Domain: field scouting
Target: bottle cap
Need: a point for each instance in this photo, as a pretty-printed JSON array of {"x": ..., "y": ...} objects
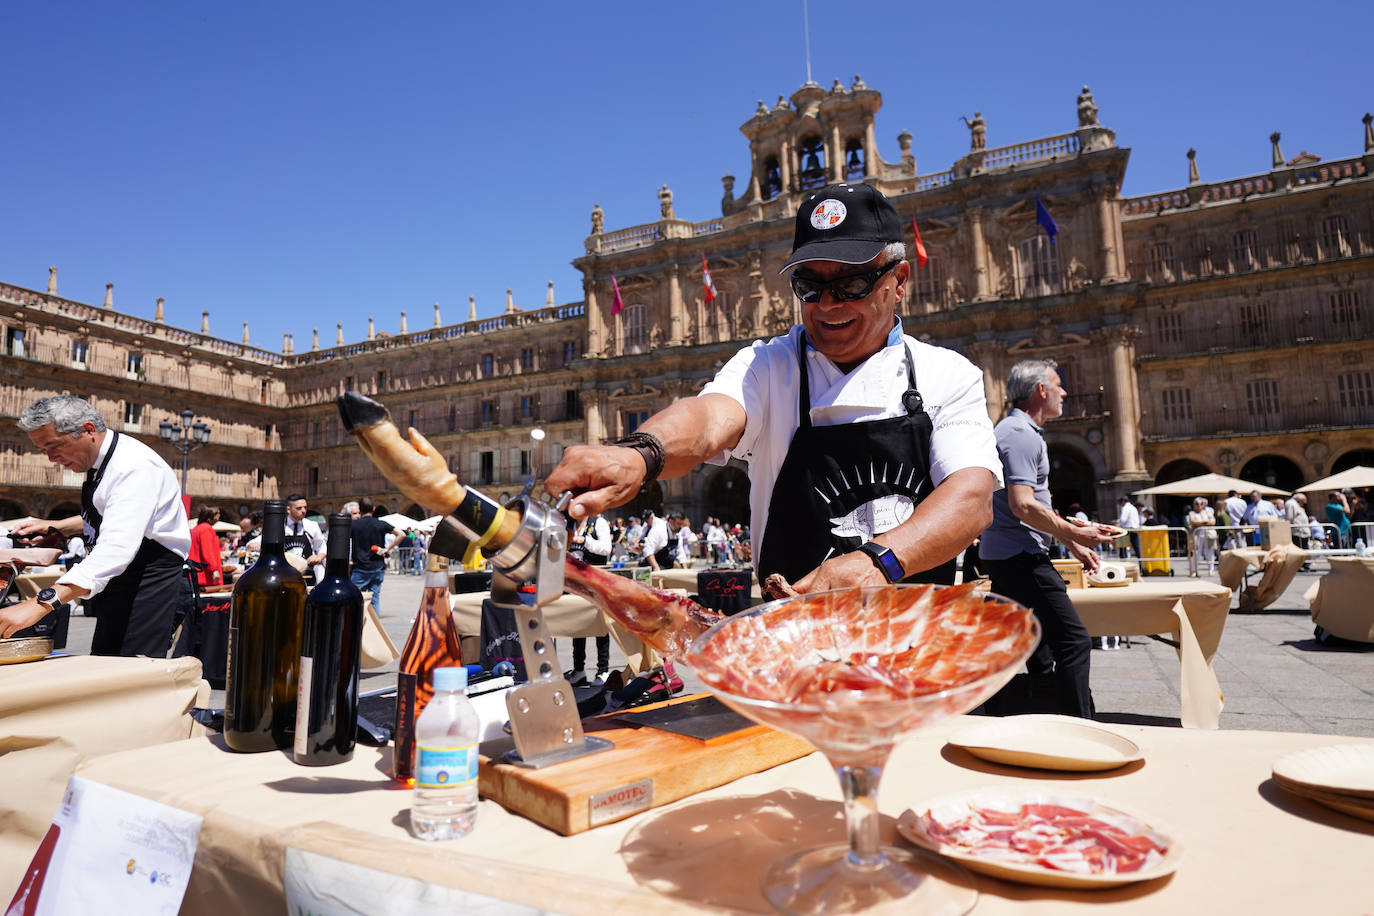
[{"x": 450, "y": 678}]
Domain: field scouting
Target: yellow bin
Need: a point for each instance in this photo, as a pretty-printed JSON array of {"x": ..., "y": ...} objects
[{"x": 1154, "y": 542}]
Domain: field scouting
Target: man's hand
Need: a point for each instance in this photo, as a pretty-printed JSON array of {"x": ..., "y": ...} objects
[
  {"x": 1087, "y": 534},
  {"x": 848, "y": 570},
  {"x": 28, "y": 527},
  {"x": 603, "y": 476},
  {"x": 18, "y": 616},
  {"x": 1084, "y": 555}
]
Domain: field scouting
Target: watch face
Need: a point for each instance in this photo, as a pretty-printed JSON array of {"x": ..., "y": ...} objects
[{"x": 47, "y": 596}]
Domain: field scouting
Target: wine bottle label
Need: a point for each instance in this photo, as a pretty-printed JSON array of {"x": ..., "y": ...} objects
[
  {"x": 232, "y": 686},
  {"x": 301, "y": 745},
  {"x": 445, "y": 767},
  {"x": 403, "y": 735}
]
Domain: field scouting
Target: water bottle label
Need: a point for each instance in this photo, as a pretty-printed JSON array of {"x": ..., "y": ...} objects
[{"x": 445, "y": 767}]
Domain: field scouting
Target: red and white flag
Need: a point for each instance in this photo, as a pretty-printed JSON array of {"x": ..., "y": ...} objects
[
  {"x": 920, "y": 246},
  {"x": 616, "y": 305},
  {"x": 707, "y": 286}
]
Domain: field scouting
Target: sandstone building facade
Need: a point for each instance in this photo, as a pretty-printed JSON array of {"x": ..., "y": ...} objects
[{"x": 1220, "y": 326}]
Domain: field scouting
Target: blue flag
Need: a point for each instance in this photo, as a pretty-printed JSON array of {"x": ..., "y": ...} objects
[{"x": 1042, "y": 216}]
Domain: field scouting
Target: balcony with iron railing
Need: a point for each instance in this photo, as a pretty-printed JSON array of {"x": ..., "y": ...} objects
[
  {"x": 1195, "y": 336},
  {"x": 1234, "y": 420}
]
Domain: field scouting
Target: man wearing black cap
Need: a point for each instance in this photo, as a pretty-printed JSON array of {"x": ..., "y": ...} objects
[{"x": 871, "y": 455}]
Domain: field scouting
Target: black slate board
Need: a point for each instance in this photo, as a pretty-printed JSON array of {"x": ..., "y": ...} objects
[{"x": 704, "y": 718}]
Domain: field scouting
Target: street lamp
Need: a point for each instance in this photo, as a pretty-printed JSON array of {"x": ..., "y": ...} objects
[{"x": 192, "y": 436}]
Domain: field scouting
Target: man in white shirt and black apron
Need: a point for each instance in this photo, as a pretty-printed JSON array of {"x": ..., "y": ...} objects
[
  {"x": 134, "y": 525},
  {"x": 871, "y": 455}
]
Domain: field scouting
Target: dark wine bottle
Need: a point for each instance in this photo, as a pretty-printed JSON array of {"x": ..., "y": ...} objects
[
  {"x": 264, "y": 645},
  {"x": 331, "y": 648},
  {"x": 433, "y": 643}
]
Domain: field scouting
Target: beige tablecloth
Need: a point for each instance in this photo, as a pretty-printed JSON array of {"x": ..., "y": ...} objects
[
  {"x": 1342, "y": 601},
  {"x": 1192, "y": 610},
  {"x": 1249, "y": 847},
  {"x": 57, "y": 712},
  {"x": 1277, "y": 565}
]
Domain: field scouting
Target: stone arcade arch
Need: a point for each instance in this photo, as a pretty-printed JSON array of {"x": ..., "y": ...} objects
[
  {"x": 1352, "y": 458},
  {"x": 1073, "y": 478},
  {"x": 727, "y": 495},
  {"x": 1273, "y": 470}
]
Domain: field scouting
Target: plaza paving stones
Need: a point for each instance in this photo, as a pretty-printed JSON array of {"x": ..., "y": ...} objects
[{"x": 1275, "y": 675}]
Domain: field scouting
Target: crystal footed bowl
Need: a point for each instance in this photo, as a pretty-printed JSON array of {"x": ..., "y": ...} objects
[{"x": 853, "y": 671}]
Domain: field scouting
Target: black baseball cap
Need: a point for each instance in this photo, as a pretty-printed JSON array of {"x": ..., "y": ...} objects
[{"x": 849, "y": 223}]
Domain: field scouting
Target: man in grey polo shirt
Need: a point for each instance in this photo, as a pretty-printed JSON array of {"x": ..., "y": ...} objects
[{"x": 1015, "y": 548}]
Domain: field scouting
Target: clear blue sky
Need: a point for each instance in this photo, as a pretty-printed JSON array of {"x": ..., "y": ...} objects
[{"x": 300, "y": 164}]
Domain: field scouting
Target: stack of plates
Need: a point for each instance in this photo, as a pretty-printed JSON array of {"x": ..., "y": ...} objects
[
  {"x": 1339, "y": 776},
  {"x": 28, "y": 649}
]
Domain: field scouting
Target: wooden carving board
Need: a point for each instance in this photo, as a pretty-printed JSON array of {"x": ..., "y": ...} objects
[{"x": 648, "y": 767}]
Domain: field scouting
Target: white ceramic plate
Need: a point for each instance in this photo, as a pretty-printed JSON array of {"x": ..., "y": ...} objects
[
  {"x": 1346, "y": 769},
  {"x": 1047, "y": 743},
  {"x": 909, "y": 825},
  {"x": 1103, "y": 583},
  {"x": 1362, "y": 808}
]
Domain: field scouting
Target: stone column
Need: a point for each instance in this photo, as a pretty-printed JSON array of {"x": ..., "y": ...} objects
[
  {"x": 1109, "y": 226},
  {"x": 834, "y": 155},
  {"x": 1123, "y": 399},
  {"x": 593, "y": 411},
  {"x": 785, "y": 168},
  {"x": 870, "y": 150},
  {"x": 986, "y": 355},
  {"x": 596, "y": 328},
  {"x": 677, "y": 316},
  {"x": 979, "y": 249}
]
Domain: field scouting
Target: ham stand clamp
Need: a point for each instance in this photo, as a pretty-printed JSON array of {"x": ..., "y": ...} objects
[{"x": 528, "y": 574}]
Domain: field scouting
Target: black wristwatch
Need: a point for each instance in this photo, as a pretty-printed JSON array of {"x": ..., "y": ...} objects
[
  {"x": 48, "y": 598},
  {"x": 885, "y": 560}
]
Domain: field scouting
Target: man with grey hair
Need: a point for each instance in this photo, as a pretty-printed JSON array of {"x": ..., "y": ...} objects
[
  {"x": 134, "y": 525},
  {"x": 871, "y": 456},
  {"x": 1015, "y": 548}
]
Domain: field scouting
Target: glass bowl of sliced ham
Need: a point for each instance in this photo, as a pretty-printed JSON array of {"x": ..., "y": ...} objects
[{"x": 854, "y": 671}]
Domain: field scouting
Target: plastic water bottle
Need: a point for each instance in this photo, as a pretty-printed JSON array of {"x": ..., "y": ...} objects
[
  {"x": 444, "y": 805},
  {"x": 1359, "y": 547}
]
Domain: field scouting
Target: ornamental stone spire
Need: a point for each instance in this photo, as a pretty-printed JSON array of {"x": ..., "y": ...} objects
[
  {"x": 437, "y": 322},
  {"x": 1193, "y": 177},
  {"x": 338, "y": 335},
  {"x": 1277, "y": 152},
  {"x": 314, "y": 338},
  {"x": 158, "y": 315},
  {"x": 403, "y": 322},
  {"x": 245, "y": 335},
  {"x": 205, "y": 322},
  {"x": 548, "y": 297},
  {"x": 510, "y": 302},
  {"x": 371, "y": 329},
  {"x": 1368, "y": 136},
  {"x": 109, "y": 296},
  {"x": 472, "y": 308},
  {"x": 52, "y": 281}
]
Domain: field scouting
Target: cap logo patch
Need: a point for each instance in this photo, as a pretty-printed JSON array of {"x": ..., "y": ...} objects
[{"x": 828, "y": 214}]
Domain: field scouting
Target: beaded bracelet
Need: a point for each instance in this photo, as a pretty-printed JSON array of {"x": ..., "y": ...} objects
[{"x": 650, "y": 448}]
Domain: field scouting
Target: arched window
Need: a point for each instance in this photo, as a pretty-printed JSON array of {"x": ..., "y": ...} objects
[
  {"x": 1162, "y": 265},
  {"x": 854, "y": 167},
  {"x": 635, "y": 325},
  {"x": 812, "y": 163},
  {"x": 772, "y": 178},
  {"x": 1038, "y": 263}
]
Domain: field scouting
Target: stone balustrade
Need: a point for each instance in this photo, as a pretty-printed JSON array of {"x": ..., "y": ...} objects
[
  {"x": 1031, "y": 151},
  {"x": 1240, "y": 188},
  {"x": 931, "y": 182},
  {"x": 109, "y": 318}
]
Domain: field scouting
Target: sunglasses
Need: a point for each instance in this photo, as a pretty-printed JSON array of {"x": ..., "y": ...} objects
[{"x": 842, "y": 289}]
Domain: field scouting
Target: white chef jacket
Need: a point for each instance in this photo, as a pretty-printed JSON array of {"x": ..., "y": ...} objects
[
  {"x": 656, "y": 538},
  {"x": 764, "y": 379},
  {"x": 138, "y": 497}
]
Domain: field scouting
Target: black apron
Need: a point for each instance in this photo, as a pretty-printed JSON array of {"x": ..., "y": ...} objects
[
  {"x": 300, "y": 543},
  {"x": 832, "y": 475},
  {"x": 135, "y": 612}
]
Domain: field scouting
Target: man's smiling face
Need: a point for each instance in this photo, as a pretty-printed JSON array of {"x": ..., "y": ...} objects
[{"x": 850, "y": 332}]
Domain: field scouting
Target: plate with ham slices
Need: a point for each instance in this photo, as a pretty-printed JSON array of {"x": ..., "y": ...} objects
[{"x": 1042, "y": 838}]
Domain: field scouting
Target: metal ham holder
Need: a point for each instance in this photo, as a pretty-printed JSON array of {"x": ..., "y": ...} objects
[{"x": 526, "y": 575}]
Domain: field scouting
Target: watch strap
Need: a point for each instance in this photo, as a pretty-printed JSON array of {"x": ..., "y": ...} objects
[
  {"x": 48, "y": 598},
  {"x": 885, "y": 560}
]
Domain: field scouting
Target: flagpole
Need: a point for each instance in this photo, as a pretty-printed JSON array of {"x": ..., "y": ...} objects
[{"x": 806, "y": 36}]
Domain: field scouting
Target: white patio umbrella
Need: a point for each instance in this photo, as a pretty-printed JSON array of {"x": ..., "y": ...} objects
[
  {"x": 1209, "y": 485},
  {"x": 1358, "y": 476},
  {"x": 402, "y": 522},
  {"x": 227, "y": 527}
]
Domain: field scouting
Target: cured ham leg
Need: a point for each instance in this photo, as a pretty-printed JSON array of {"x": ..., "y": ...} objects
[{"x": 666, "y": 622}]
